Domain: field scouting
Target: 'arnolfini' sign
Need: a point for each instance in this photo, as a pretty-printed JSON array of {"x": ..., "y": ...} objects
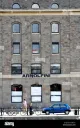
[{"x": 36, "y": 75}]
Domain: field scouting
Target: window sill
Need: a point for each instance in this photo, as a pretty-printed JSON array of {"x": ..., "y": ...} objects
[
  {"x": 35, "y": 53},
  {"x": 35, "y": 33},
  {"x": 55, "y": 54},
  {"x": 16, "y": 33},
  {"x": 55, "y": 33},
  {"x": 16, "y": 53}
]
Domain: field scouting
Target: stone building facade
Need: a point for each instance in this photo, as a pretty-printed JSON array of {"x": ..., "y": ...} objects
[{"x": 41, "y": 39}]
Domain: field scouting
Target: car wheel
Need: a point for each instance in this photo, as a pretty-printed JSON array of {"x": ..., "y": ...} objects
[
  {"x": 47, "y": 113},
  {"x": 67, "y": 112}
]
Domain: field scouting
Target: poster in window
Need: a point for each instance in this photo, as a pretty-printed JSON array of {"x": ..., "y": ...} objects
[
  {"x": 17, "y": 99},
  {"x": 55, "y": 92},
  {"x": 36, "y": 99},
  {"x": 16, "y": 93},
  {"x": 55, "y": 98},
  {"x": 35, "y": 90}
]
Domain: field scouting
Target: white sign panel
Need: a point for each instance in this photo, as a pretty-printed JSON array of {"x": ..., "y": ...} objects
[
  {"x": 55, "y": 98},
  {"x": 16, "y": 93},
  {"x": 36, "y": 99},
  {"x": 16, "y": 99},
  {"x": 55, "y": 92},
  {"x": 35, "y": 90}
]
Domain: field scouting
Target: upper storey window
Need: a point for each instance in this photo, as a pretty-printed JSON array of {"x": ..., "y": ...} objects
[
  {"x": 16, "y": 6},
  {"x": 55, "y": 28},
  {"x": 54, "y": 6},
  {"x": 35, "y": 6},
  {"x": 35, "y": 28},
  {"x": 16, "y": 28}
]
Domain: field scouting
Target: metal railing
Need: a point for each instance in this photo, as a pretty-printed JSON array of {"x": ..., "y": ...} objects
[
  {"x": 38, "y": 111},
  {"x": 15, "y": 111}
]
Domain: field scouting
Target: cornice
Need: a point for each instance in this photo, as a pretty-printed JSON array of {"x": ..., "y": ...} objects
[{"x": 11, "y": 12}]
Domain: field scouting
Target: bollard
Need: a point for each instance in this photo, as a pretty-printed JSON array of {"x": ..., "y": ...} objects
[{"x": 75, "y": 112}]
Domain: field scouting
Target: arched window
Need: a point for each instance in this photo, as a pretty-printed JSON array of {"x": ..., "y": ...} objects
[
  {"x": 36, "y": 92},
  {"x": 16, "y": 6},
  {"x": 55, "y": 6},
  {"x": 16, "y": 93},
  {"x": 16, "y": 28},
  {"x": 35, "y": 6},
  {"x": 35, "y": 28},
  {"x": 55, "y": 92},
  {"x": 55, "y": 27}
]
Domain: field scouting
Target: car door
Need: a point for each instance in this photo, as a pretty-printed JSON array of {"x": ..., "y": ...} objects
[
  {"x": 62, "y": 108},
  {"x": 56, "y": 108}
]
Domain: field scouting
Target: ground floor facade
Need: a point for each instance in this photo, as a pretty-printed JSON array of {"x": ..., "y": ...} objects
[{"x": 41, "y": 91}]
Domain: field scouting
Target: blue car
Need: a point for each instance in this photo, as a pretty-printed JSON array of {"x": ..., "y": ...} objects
[{"x": 57, "y": 108}]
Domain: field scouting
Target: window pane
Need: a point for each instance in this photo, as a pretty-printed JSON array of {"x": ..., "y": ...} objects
[
  {"x": 36, "y": 67},
  {"x": 54, "y": 6},
  {"x": 35, "y": 6},
  {"x": 16, "y": 28},
  {"x": 55, "y": 98},
  {"x": 55, "y": 48},
  {"x": 55, "y": 67},
  {"x": 62, "y": 105},
  {"x": 36, "y": 99},
  {"x": 16, "y": 69},
  {"x": 35, "y": 28},
  {"x": 35, "y": 90},
  {"x": 35, "y": 48},
  {"x": 54, "y": 27},
  {"x": 55, "y": 87},
  {"x": 16, "y": 6},
  {"x": 17, "y": 99},
  {"x": 55, "y": 92},
  {"x": 56, "y": 106},
  {"x": 16, "y": 87},
  {"x": 16, "y": 48},
  {"x": 36, "y": 71},
  {"x": 16, "y": 93},
  {"x": 55, "y": 71}
]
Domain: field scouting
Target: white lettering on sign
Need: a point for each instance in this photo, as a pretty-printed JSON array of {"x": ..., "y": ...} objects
[{"x": 9, "y": 124}]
